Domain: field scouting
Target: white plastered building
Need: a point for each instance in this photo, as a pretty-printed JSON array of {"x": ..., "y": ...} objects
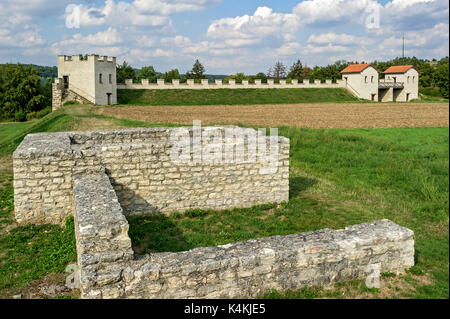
[
  {"x": 91, "y": 80},
  {"x": 400, "y": 84}
]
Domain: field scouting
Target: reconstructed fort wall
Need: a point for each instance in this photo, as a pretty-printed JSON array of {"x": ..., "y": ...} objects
[
  {"x": 219, "y": 84},
  {"x": 108, "y": 268},
  {"x": 139, "y": 165}
]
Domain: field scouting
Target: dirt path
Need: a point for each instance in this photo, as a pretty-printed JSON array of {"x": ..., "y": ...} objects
[
  {"x": 328, "y": 115},
  {"x": 85, "y": 122}
]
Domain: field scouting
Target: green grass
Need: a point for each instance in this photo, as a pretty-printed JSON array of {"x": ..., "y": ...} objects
[
  {"x": 31, "y": 252},
  {"x": 337, "y": 178},
  {"x": 12, "y": 134},
  {"x": 233, "y": 96}
]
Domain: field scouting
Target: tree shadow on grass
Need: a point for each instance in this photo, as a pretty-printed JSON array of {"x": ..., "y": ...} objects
[{"x": 298, "y": 184}]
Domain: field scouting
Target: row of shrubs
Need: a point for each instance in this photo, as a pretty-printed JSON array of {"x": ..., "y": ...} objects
[{"x": 21, "y": 116}]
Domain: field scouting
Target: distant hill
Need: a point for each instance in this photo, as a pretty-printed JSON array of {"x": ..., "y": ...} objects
[{"x": 47, "y": 72}]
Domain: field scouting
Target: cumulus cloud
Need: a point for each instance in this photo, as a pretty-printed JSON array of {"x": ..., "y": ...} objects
[
  {"x": 326, "y": 11},
  {"x": 178, "y": 41},
  {"x": 23, "y": 39},
  {"x": 168, "y": 7},
  {"x": 290, "y": 48},
  {"x": 263, "y": 24},
  {"x": 414, "y": 14},
  {"x": 312, "y": 49},
  {"x": 152, "y": 13},
  {"x": 418, "y": 42},
  {"x": 106, "y": 42},
  {"x": 342, "y": 39}
]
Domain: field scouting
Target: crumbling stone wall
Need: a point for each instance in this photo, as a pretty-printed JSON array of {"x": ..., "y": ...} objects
[
  {"x": 57, "y": 94},
  {"x": 108, "y": 268},
  {"x": 140, "y": 168}
]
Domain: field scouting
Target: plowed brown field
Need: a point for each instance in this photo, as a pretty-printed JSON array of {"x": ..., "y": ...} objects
[{"x": 329, "y": 115}]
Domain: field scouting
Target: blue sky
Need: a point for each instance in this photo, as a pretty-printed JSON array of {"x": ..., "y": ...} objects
[{"x": 227, "y": 36}]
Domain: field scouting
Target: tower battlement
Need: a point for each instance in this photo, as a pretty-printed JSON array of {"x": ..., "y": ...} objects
[{"x": 89, "y": 58}]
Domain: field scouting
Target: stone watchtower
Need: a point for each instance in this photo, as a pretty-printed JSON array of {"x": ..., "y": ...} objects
[{"x": 90, "y": 80}]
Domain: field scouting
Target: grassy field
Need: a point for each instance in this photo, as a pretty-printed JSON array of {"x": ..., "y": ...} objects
[
  {"x": 338, "y": 177},
  {"x": 232, "y": 96}
]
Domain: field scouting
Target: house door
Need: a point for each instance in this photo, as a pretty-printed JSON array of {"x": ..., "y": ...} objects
[
  {"x": 66, "y": 81},
  {"x": 373, "y": 97},
  {"x": 407, "y": 97},
  {"x": 109, "y": 98}
]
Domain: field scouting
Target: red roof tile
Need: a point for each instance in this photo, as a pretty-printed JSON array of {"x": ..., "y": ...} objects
[
  {"x": 398, "y": 69},
  {"x": 355, "y": 68}
]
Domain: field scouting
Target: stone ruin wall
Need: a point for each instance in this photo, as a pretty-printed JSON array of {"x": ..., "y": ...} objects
[
  {"x": 102, "y": 176},
  {"x": 109, "y": 269},
  {"x": 219, "y": 84},
  {"x": 138, "y": 163}
]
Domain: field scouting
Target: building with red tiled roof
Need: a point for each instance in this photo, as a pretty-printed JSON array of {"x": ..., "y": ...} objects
[
  {"x": 361, "y": 80},
  {"x": 398, "y": 69},
  {"x": 400, "y": 82},
  {"x": 355, "y": 68},
  {"x": 405, "y": 79}
]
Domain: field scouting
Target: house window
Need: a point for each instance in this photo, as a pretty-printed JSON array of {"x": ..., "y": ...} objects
[
  {"x": 371, "y": 79},
  {"x": 110, "y": 79},
  {"x": 407, "y": 79},
  {"x": 100, "y": 80},
  {"x": 365, "y": 79},
  {"x": 413, "y": 79}
]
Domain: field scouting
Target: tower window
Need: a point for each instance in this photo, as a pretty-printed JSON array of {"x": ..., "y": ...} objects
[
  {"x": 110, "y": 79},
  {"x": 100, "y": 80}
]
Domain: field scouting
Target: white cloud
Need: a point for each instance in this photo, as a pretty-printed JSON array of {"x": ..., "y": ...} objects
[
  {"x": 115, "y": 14},
  {"x": 333, "y": 38},
  {"x": 153, "y": 13},
  {"x": 317, "y": 11},
  {"x": 263, "y": 24},
  {"x": 414, "y": 14},
  {"x": 108, "y": 37},
  {"x": 291, "y": 48},
  {"x": 178, "y": 41},
  {"x": 418, "y": 42},
  {"x": 108, "y": 42},
  {"x": 168, "y": 7},
  {"x": 146, "y": 41},
  {"x": 23, "y": 39},
  {"x": 312, "y": 49},
  {"x": 403, "y": 4}
]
